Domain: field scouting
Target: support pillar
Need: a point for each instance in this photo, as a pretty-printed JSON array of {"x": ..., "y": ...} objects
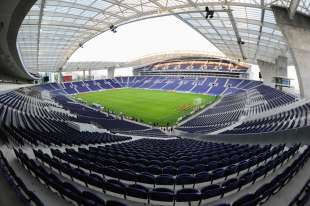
[
  {"x": 89, "y": 74},
  {"x": 61, "y": 78},
  {"x": 297, "y": 33},
  {"x": 281, "y": 66},
  {"x": 111, "y": 73},
  {"x": 135, "y": 72},
  {"x": 84, "y": 78},
  {"x": 268, "y": 70}
]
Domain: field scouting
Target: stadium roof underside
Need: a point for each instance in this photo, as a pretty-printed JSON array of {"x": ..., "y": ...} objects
[
  {"x": 54, "y": 29},
  {"x": 143, "y": 61}
]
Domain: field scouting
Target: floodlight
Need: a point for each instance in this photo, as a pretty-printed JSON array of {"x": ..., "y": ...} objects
[{"x": 113, "y": 28}]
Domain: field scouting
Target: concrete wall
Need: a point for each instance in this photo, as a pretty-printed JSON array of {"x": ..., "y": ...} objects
[
  {"x": 267, "y": 69},
  {"x": 8, "y": 86},
  {"x": 111, "y": 73},
  {"x": 281, "y": 66},
  {"x": 297, "y": 33},
  {"x": 12, "y": 13},
  {"x": 270, "y": 69},
  {"x": 292, "y": 136}
]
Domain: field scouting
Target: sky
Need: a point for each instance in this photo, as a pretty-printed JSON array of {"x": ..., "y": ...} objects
[
  {"x": 155, "y": 35},
  {"x": 143, "y": 38}
]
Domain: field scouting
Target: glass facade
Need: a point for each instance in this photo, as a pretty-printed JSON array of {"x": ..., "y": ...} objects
[{"x": 54, "y": 29}]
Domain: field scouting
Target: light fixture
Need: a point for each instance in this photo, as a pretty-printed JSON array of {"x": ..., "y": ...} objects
[
  {"x": 113, "y": 28},
  {"x": 209, "y": 13},
  {"x": 240, "y": 42}
]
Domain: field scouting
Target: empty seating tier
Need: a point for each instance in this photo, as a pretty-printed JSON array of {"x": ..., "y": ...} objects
[
  {"x": 162, "y": 171},
  {"x": 291, "y": 119}
]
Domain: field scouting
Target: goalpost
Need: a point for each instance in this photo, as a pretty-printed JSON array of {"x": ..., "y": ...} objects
[{"x": 197, "y": 103}]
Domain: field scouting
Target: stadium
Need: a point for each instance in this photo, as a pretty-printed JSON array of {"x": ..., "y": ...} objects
[{"x": 182, "y": 128}]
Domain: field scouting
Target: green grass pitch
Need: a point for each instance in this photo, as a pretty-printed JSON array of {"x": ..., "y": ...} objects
[{"x": 148, "y": 106}]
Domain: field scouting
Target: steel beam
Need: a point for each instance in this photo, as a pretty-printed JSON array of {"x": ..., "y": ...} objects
[{"x": 293, "y": 8}]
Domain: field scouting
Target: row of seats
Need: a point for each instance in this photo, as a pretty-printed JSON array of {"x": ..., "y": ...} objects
[
  {"x": 192, "y": 66},
  {"x": 28, "y": 118},
  {"x": 14, "y": 100},
  {"x": 232, "y": 107},
  {"x": 37, "y": 131},
  {"x": 27, "y": 197},
  {"x": 86, "y": 86},
  {"x": 187, "y": 194},
  {"x": 248, "y": 169},
  {"x": 291, "y": 119},
  {"x": 207, "y": 85},
  {"x": 302, "y": 197},
  {"x": 263, "y": 98},
  {"x": 223, "y": 114},
  {"x": 145, "y": 133},
  {"x": 63, "y": 188},
  {"x": 263, "y": 193}
]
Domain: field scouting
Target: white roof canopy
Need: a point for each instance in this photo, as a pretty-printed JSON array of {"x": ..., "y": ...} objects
[
  {"x": 54, "y": 29},
  {"x": 142, "y": 61}
]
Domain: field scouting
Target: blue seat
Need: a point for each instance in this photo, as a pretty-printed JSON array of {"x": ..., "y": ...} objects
[
  {"x": 231, "y": 169},
  {"x": 115, "y": 203},
  {"x": 230, "y": 185},
  {"x": 141, "y": 161},
  {"x": 147, "y": 178},
  {"x": 123, "y": 165},
  {"x": 211, "y": 191},
  {"x": 180, "y": 163},
  {"x": 246, "y": 200},
  {"x": 187, "y": 195},
  {"x": 154, "y": 169},
  {"x": 155, "y": 162},
  {"x": 242, "y": 166},
  {"x": 259, "y": 172},
  {"x": 216, "y": 174},
  {"x": 110, "y": 171},
  {"x": 128, "y": 175},
  {"x": 246, "y": 178},
  {"x": 161, "y": 194},
  {"x": 138, "y": 167},
  {"x": 193, "y": 162},
  {"x": 34, "y": 198},
  {"x": 185, "y": 169},
  {"x": 202, "y": 177},
  {"x": 95, "y": 180},
  {"x": 53, "y": 181},
  {"x": 168, "y": 163},
  {"x": 184, "y": 179},
  {"x": 211, "y": 165},
  {"x": 200, "y": 168},
  {"x": 264, "y": 192},
  {"x": 79, "y": 174},
  {"x": 115, "y": 186},
  {"x": 164, "y": 180},
  {"x": 91, "y": 196},
  {"x": 137, "y": 191},
  {"x": 74, "y": 194},
  {"x": 170, "y": 170}
]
